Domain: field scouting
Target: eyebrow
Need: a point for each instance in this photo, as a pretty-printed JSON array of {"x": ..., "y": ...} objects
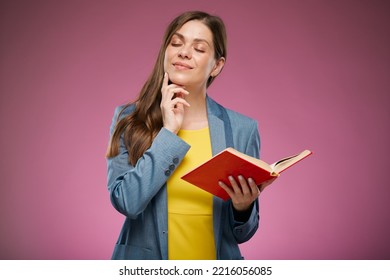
[{"x": 197, "y": 40}]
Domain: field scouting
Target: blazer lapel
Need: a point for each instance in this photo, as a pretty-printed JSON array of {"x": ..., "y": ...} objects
[
  {"x": 216, "y": 125},
  {"x": 219, "y": 141}
]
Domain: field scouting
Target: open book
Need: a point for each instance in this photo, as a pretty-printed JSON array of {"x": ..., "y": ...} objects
[{"x": 234, "y": 163}]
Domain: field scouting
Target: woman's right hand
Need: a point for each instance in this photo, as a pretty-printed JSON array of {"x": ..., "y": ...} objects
[{"x": 172, "y": 105}]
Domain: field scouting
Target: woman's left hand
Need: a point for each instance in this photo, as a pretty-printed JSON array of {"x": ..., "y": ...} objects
[{"x": 243, "y": 192}]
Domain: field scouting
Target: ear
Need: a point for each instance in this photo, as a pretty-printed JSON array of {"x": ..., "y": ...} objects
[{"x": 218, "y": 67}]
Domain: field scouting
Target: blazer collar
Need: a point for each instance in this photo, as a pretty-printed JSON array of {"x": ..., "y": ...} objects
[{"x": 216, "y": 121}]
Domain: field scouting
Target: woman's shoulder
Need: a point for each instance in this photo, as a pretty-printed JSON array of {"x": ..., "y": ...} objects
[
  {"x": 124, "y": 110},
  {"x": 239, "y": 117},
  {"x": 235, "y": 116}
]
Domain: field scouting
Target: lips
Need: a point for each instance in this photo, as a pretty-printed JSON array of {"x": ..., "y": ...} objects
[{"x": 182, "y": 66}]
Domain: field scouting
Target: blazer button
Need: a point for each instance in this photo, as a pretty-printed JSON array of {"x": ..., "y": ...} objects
[
  {"x": 172, "y": 167},
  {"x": 167, "y": 172},
  {"x": 175, "y": 160}
]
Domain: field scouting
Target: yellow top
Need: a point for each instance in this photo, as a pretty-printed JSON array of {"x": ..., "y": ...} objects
[{"x": 190, "y": 209}]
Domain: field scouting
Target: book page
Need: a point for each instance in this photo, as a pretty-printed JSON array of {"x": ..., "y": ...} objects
[
  {"x": 287, "y": 162},
  {"x": 253, "y": 160}
]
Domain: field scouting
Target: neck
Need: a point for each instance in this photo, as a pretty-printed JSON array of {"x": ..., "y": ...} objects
[{"x": 195, "y": 116}]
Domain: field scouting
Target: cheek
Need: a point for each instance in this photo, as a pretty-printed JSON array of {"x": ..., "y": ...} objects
[
  {"x": 165, "y": 63},
  {"x": 209, "y": 66},
  {"x": 166, "y": 60},
  {"x": 169, "y": 54}
]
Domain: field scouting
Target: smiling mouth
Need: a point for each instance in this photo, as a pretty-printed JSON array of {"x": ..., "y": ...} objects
[{"x": 182, "y": 66}]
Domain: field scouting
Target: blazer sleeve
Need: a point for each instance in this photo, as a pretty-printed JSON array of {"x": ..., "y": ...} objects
[
  {"x": 132, "y": 188},
  {"x": 243, "y": 231}
]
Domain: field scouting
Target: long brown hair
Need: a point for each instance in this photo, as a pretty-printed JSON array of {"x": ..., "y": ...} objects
[{"x": 141, "y": 126}]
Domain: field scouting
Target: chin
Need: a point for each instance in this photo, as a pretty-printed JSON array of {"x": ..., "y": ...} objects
[{"x": 179, "y": 79}]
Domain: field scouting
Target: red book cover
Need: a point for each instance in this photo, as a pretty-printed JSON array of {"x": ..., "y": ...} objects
[
  {"x": 207, "y": 175},
  {"x": 230, "y": 162}
]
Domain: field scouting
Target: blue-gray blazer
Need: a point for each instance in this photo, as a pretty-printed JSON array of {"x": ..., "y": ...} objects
[{"x": 139, "y": 192}]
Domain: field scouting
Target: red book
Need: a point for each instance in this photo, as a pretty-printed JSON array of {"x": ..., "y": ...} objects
[{"x": 231, "y": 162}]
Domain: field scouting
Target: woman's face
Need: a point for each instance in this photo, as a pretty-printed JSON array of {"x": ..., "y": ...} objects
[{"x": 189, "y": 57}]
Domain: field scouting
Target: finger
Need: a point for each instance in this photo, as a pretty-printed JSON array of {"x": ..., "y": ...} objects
[
  {"x": 179, "y": 101},
  {"x": 234, "y": 184},
  {"x": 266, "y": 184},
  {"x": 262, "y": 187},
  {"x": 253, "y": 187},
  {"x": 178, "y": 90},
  {"x": 165, "y": 80},
  {"x": 244, "y": 186},
  {"x": 170, "y": 92},
  {"x": 228, "y": 189},
  {"x": 165, "y": 94}
]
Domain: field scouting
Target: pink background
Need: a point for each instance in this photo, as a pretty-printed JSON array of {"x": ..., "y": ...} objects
[{"x": 315, "y": 74}]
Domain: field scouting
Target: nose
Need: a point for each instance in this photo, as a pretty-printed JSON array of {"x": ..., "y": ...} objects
[{"x": 185, "y": 52}]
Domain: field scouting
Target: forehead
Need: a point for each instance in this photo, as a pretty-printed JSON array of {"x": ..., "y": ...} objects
[{"x": 195, "y": 30}]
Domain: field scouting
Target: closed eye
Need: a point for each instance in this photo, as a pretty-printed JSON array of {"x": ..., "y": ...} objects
[{"x": 199, "y": 47}]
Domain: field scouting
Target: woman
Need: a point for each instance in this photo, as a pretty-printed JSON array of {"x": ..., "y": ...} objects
[{"x": 172, "y": 127}]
